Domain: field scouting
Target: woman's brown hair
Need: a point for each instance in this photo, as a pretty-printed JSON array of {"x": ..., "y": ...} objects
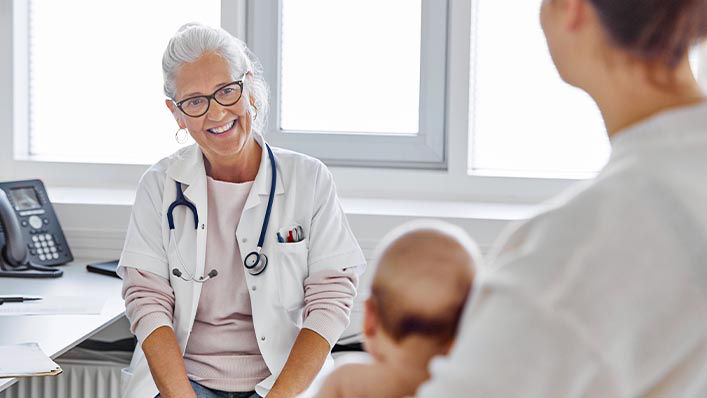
[{"x": 654, "y": 30}]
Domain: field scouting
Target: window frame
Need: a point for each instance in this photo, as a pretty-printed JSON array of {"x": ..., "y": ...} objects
[{"x": 423, "y": 150}]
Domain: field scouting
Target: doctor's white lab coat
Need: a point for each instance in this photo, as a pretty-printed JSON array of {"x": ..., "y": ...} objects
[
  {"x": 605, "y": 294},
  {"x": 305, "y": 195}
]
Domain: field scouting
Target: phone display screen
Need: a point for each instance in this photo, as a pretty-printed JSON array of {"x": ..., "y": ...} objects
[{"x": 25, "y": 199}]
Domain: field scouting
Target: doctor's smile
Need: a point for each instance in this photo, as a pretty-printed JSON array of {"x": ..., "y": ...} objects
[{"x": 221, "y": 130}]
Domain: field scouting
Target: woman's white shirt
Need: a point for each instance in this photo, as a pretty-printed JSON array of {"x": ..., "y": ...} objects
[
  {"x": 604, "y": 294},
  {"x": 305, "y": 196}
]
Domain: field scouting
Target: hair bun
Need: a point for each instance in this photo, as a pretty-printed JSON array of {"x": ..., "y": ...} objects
[{"x": 655, "y": 30}]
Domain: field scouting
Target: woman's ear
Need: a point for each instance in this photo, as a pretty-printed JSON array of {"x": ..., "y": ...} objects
[
  {"x": 175, "y": 113},
  {"x": 575, "y": 13},
  {"x": 370, "y": 319}
]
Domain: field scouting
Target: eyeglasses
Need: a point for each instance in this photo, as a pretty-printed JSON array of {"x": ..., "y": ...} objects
[{"x": 226, "y": 96}]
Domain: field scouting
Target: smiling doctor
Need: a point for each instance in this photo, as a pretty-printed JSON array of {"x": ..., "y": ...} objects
[{"x": 239, "y": 266}]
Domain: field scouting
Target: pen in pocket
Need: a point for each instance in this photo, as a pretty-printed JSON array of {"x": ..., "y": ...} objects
[{"x": 291, "y": 234}]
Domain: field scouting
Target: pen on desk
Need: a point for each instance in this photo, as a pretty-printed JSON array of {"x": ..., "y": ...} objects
[{"x": 17, "y": 299}]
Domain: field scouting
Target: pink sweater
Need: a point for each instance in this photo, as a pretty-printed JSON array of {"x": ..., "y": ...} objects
[{"x": 222, "y": 352}]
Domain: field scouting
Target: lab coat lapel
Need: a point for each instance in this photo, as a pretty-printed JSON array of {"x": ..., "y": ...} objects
[
  {"x": 256, "y": 204},
  {"x": 261, "y": 186},
  {"x": 188, "y": 168}
]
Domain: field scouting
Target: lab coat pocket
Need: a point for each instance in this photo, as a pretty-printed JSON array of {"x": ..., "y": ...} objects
[
  {"x": 125, "y": 377},
  {"x": 291, "y": 267}
]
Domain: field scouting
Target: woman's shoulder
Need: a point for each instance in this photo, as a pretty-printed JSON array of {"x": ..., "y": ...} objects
[{"x": 617, "y": 201}]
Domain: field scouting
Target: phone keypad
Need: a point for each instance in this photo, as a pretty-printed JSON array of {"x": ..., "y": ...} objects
[{"x": 45, "y": 247}]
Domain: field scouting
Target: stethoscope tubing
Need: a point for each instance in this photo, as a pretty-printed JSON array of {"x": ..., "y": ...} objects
[
  {"x": 271, "y": 197},
  {"x": 256, "y": 262}
]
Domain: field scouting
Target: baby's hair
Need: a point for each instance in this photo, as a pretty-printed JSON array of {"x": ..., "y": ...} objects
[
  {"x": 442, "y": 327},
  {"x": 424, "y": 276}
]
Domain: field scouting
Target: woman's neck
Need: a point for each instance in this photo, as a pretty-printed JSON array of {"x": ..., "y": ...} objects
[
  {"x": 630, "y": 96},
  {"x": 237, "y": 169}
]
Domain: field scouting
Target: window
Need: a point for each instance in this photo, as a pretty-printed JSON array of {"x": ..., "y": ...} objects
[
  {"x": 95, "y": 77},
  {"x": 349, "y": 80},
  {"x": 524, "y": 119},
  {"x": 348, "y": 88}
]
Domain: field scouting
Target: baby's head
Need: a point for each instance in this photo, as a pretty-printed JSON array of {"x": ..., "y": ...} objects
[{"x": 423, "y": 278}]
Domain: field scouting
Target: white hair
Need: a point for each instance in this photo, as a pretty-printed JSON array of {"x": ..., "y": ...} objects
[{"x": 193, "y": 40}]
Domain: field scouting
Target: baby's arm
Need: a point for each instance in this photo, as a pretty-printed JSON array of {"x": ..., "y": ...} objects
[
  {"x": 361, "y": 381},
  {"x": 332, "y": 386}
]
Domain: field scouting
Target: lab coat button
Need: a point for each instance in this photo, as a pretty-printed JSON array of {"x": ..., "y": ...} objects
[
  {"x": 262, "y": 338},
  {"x": 253, "y": 288},
  {"x": 244, "y": 240}
]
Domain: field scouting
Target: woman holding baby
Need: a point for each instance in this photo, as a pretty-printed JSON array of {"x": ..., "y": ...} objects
[{"x": 605, "y": 293}]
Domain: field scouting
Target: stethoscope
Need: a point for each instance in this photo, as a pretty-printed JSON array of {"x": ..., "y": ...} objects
[{"x": 256, "y": 261}]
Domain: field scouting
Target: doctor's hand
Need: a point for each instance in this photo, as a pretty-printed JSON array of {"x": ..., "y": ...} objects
[
  {"x": 304, "y": 363},
  {"x": 164, "y": 357}
]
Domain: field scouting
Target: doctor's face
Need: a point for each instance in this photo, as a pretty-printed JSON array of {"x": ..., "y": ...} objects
[{"x": 222, "y": 131}]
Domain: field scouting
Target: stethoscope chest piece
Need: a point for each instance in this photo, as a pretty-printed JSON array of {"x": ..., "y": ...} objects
[{"x": 256, "y": 263}]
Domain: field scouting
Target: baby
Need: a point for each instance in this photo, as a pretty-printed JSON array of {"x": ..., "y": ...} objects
[{"x": 422, "y": 281}]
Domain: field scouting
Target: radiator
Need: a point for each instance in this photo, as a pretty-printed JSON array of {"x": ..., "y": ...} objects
[{"x": 81, "y": 378}]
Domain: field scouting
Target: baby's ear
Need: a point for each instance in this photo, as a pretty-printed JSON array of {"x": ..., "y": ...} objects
[{"x": 370, "y": 318}]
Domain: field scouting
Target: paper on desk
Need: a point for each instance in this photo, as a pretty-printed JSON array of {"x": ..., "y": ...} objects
[
  {"x": 54, "y": 305},
  {"x": 26, "y": 360}
]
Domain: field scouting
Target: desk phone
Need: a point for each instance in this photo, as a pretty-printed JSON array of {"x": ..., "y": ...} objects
[{"x": 30, "y": 232}]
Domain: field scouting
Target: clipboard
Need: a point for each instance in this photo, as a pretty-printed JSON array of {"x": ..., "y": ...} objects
[{"x": 26, "y": 360}]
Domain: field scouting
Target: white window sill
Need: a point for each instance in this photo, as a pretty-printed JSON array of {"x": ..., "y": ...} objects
[
  {"x": 95, "y": 220},
  {"x": 353, "y": 206}
]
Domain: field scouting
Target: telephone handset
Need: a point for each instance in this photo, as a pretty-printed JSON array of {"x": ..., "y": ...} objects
[{"x": 31, "y": 238}]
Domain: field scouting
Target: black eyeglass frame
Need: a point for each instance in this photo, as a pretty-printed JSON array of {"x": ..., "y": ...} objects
[{"x": 238, "y": 82}]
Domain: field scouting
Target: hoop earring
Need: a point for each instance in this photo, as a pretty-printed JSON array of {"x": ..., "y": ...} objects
[
  {"x": 177, "y": 136},
  {"x": 256, "y": 112}
]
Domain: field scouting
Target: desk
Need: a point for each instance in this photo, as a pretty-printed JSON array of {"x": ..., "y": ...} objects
[{"x": 57, "y": 334}]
